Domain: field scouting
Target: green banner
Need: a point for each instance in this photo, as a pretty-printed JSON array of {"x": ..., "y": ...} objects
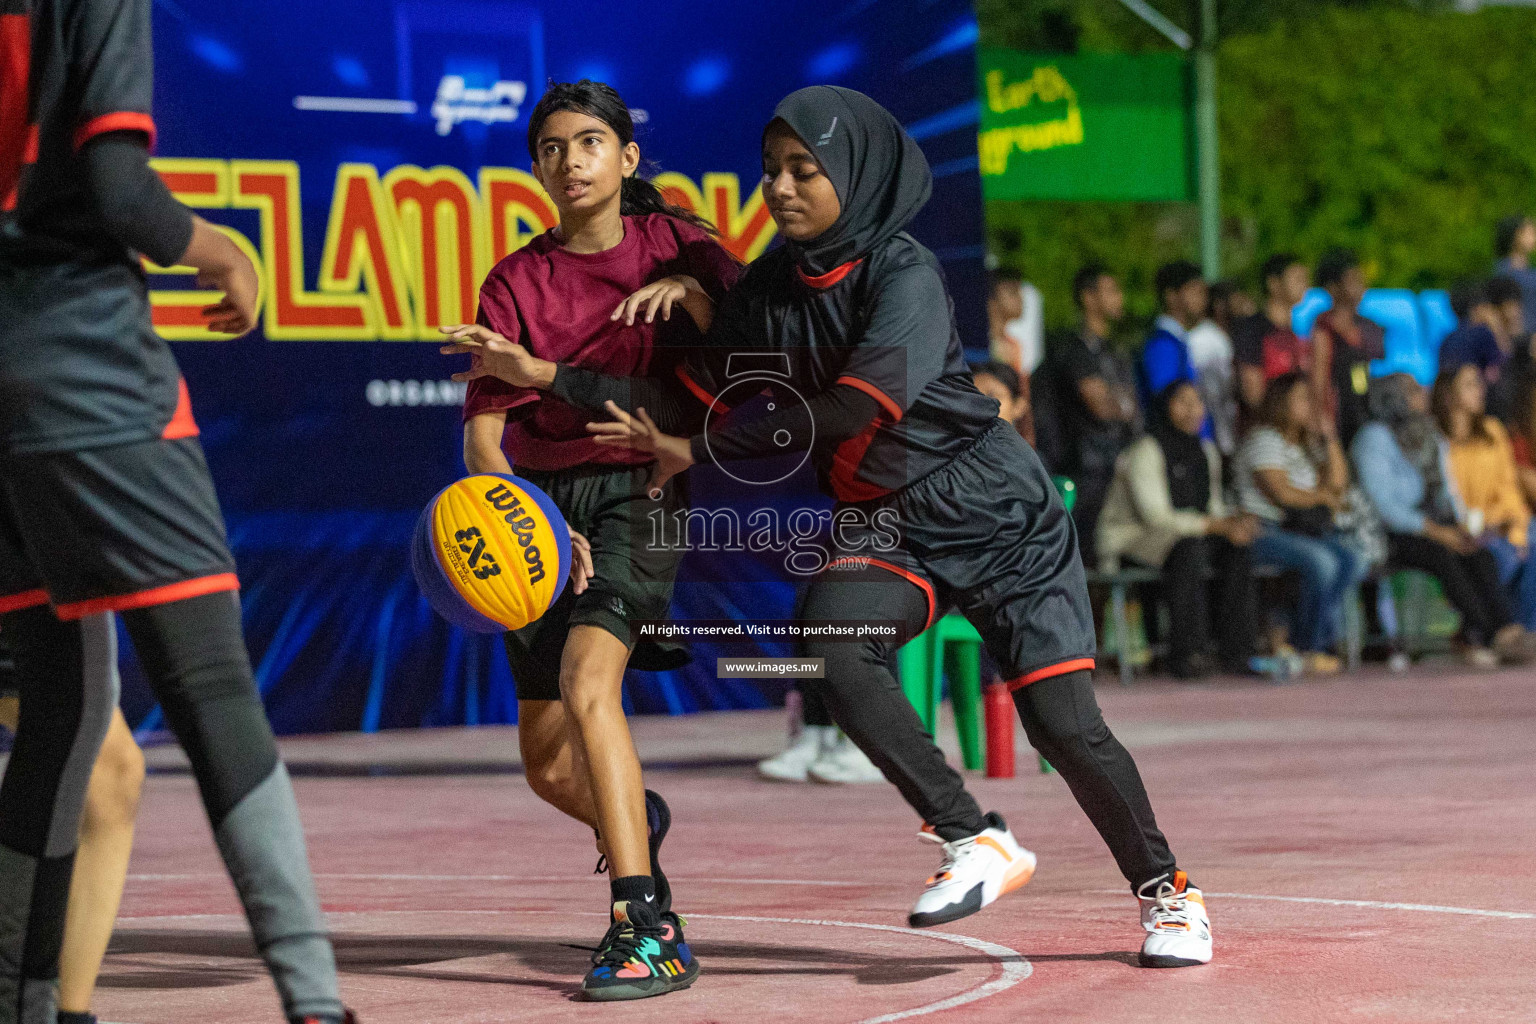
[{"x": 1085, "y": 127}]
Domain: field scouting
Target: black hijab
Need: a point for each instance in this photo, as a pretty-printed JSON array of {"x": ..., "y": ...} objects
[
  {"x": 1189, "y": 474},
  {"x": 880, "y": 174}
]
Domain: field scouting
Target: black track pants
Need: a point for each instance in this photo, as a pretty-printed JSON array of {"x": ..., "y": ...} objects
[{"x": 1060, "y": 715}]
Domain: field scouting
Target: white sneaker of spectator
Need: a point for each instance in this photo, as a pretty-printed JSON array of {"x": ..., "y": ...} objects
[
  {"x": 791, "y": 764},
  {"x": 842, "y": 762}
]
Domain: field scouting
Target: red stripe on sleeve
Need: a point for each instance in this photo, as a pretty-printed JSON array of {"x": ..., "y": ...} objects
[
  {"x": 886, "y": 401},
  {"x": 698, "y": 391},
  {"x": 119, "y": 121}
]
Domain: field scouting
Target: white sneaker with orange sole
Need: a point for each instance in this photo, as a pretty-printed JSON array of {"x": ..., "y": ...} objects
[
  {"x": 976, "y": 871},
  {"x": 1178, "y": 929}
]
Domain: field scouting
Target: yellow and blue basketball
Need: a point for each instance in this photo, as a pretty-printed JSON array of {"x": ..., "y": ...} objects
[{"x": 491, "y": 552}]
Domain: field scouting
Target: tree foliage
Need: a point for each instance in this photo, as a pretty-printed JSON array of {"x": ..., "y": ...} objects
[
  {"x": 1403, "y": 135},
  {"x": 1401, "y": 129}
]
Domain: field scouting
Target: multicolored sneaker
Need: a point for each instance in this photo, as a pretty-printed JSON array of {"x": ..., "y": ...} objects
[
  {"x": 644, "y": 954},
  {"x": 1178, "y": 929},
  {"x": 976, "y": 871}
]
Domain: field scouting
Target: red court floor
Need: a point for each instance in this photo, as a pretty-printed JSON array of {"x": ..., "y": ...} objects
[{"x": 1369, "y": 846}]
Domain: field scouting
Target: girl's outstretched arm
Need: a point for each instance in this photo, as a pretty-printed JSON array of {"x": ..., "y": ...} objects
[{"x": 660, "y": 296}]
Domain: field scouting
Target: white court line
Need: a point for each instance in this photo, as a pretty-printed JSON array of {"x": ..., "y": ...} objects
[
  {"x": 1015, "y": 968},
  {"x": 1426, "y": 908},
  {"x": 522, "y": 878}
]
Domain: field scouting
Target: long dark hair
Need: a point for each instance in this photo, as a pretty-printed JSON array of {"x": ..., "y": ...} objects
[
  {"x": 1442, "y": 401},
  {"x": 1275, "y": 408},
  {"x": 637, "y": 196}
]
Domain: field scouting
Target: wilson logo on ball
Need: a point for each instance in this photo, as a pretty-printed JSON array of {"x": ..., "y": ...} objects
[{"x": 491, "y": 552}]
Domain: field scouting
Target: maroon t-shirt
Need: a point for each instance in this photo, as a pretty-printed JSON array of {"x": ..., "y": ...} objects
[{"x": 558, "y": 304}]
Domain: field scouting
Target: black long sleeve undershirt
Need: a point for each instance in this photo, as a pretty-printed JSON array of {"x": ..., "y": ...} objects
[
  {"x": 838, "y": 413},
  {"x": 136, "y": 207},
  {"x": 831, "y": 417},
  {"x": 667, "y": 402}
]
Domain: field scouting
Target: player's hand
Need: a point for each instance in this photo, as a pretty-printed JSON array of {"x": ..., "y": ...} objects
[
  {"x": 492, "y": 355},
  {"x": 235, "y": 313},
  {"x": 222, "y": 267},
  {"x": 673, "y": 454},
  {"x": 581, "y": 561},
  {"x": 654, "y": 297}
]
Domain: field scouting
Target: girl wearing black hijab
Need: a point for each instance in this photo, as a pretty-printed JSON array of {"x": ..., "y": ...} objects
[
  {"x": 940, "y": 504},
  {"x": 1165, "y": 511}
]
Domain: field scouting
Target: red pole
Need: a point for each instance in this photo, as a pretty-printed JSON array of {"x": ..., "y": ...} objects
[{"x": 999, "y": 711}]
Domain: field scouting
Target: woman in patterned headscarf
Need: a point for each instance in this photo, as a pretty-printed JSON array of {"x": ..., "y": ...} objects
[{"x": 1400, "y": 458}]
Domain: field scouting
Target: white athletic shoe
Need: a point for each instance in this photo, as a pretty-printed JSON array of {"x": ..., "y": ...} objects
[
  {"x": 976, "y": 871},
  {"x": 1178, "y": 929},
  {"x": 791, "y": 764},
  {"x": 842, "y": 762}
]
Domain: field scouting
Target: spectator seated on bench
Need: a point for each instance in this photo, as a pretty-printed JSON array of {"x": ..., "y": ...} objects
[
  {"x": 1165, "y": 511},
  {"x": 1404, "y": 469},
  {"x": 1291, "y": 474}
]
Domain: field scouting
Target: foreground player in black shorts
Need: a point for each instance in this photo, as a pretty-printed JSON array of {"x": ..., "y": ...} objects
[
  {"x": 106, "y": 504},
  {"x": 909, "y": 447}
]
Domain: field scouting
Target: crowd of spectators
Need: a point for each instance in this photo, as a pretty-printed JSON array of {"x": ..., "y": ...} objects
[{"x": 1230, "y": 452}]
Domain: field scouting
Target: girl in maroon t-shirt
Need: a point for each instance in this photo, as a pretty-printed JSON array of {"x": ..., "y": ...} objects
[{"x": 599, "y": 292}]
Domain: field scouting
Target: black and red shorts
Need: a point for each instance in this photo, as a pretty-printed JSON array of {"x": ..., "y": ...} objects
[
  {"x": 988, "y": 536},
  {"x": 110, "y": 529}
]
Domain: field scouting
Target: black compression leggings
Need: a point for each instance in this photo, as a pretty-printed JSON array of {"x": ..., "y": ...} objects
[
  {"x": 1060, "y": 714},
  {"x": 195, "y": 660}
]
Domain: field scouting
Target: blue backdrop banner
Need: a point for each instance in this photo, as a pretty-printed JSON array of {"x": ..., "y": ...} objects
[{"x": 371, "y": 158}]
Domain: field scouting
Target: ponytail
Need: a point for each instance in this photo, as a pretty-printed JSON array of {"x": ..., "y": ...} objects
[{"x": 637, "y": 195}]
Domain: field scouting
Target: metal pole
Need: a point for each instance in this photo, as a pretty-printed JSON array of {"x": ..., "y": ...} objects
[{"x": 1207, "y": 166}]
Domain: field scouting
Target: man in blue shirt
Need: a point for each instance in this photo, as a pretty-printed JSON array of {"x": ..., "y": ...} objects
[
  {"x": 1476, "y": 339},
  {"x": 1165, "y": 356},
  {"x": 1514, "y": 241}
]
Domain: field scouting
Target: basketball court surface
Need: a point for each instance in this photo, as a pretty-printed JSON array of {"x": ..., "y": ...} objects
[{"x": 1368, "y": 847}]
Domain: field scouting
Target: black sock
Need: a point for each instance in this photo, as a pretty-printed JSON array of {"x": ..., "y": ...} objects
[
  {"x": 663, "y": 888},
  {"x": 633, "y": 889},
  {"x": 70, "y": 1017}
]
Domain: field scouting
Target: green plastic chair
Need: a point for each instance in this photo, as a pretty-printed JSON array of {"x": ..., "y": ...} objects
[
  {"x": 951, "y": 643},
  {"x": 952, "y": 647},
  {"x": 1067, "y": 489}
]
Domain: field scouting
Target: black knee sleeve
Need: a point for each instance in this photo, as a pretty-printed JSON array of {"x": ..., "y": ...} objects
[{"x": 194, "y": 657}]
